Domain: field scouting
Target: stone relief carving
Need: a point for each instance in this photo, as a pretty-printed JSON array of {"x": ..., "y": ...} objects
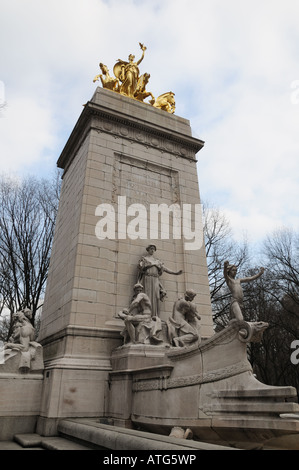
[
  {"x": 134, "y": 133},
  {"x": 143, "y": 175},
  {"x": 189, "y": 380},
  {"x": 22, "y": 345},
  {"x": 249, "y": 331}
]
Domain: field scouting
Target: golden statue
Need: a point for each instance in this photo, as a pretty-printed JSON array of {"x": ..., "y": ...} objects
[
  {"x": 128, "y": 82},
  {"x": 166, "y": 102},
  {"x": 140, "y": 92},
  {"x": 128, "y": 73},
  {"x": 107, "y": 81}
]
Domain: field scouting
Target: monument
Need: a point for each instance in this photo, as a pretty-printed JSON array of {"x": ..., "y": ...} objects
[
  {"x": 129, "y": 180},
  {"x": 126, "y": 340}
]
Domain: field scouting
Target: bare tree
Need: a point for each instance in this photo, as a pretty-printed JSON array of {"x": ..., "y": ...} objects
[
  {"x": 271, "y": 358},
  {"x": 282, "y": 253},
  {"x": 221, "y": 246},
  {"x": 27, "y": 217},
  {"x": 273, "y": 298}
]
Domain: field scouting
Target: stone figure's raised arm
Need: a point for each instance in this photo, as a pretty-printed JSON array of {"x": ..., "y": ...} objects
[
  {"x": 252, "y": 278},
  {"x": 225, "y": 270}
]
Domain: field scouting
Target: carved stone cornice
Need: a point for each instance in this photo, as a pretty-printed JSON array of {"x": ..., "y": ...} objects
[
  {"x": 186, "y": 381},
  {"x": 76, "y": 331},
  {"x": 144, "y": 133},
  {"x": 125, "y": 126}
]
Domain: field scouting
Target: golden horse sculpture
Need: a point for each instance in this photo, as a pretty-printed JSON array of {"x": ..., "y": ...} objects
[{"x": 129, "y": 82}]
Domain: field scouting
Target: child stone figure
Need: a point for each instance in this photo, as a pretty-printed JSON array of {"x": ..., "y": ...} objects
[{"x": 236, "y": 290}]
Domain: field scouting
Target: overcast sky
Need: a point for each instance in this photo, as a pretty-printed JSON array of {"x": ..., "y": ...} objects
[{"x": 233, "y": 66}]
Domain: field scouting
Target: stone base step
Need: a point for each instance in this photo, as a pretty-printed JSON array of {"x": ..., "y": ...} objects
[
  {"x": 116, "y": 438},
  {"x": 243, "y": 406},
  {"x": 90, "y": 434},
  {"x": 13, "y": 446},
  {"x": 262, "y": 393},
  {"x": 30, "y": 441},
  {"x": 60, "y": 443}
]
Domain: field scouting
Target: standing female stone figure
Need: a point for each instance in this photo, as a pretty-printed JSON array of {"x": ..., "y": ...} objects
[{"x": 150, "y": 270}]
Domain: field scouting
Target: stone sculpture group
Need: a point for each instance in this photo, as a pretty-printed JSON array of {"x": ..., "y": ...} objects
[
  {"x": 142, "y": 322},
  {"x": 142, "y": 319}
]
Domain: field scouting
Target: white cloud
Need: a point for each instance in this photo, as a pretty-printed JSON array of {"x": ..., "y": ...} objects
[
  {"x": 231, "y": 65},
  {"x": 27, "y": 137},
  {"x": 252, "y": 225}
]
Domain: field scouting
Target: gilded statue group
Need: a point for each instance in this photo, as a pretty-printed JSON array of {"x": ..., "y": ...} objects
[
  {"x": 128, "y": 81},
  {"x": 142, "y": 318}
]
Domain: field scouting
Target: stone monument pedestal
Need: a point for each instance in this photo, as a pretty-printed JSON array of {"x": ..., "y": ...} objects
[
  {"x": 126, "y": 361},
  {"x": 20, "y": 402},
  {"x": 122, "y": 155}
]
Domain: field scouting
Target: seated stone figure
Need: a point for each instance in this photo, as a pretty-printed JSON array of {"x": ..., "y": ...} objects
[
  {"x": 140, "y": 326},
  {"x": 183, "y": 325},
  {"x": 21, "y": 342}
]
